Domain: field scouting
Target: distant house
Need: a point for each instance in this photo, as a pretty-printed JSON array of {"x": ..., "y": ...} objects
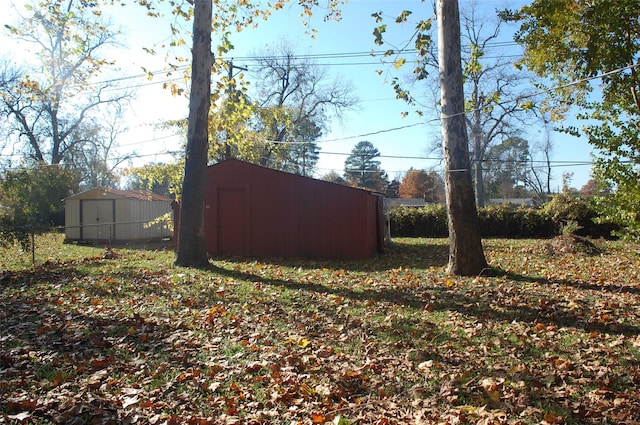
[
  {"x": 405, "y": 202},
  {"x": 110, "y": 215},
  {"x": 253, "y": 211},
  {"x": 527, "y": 202}
]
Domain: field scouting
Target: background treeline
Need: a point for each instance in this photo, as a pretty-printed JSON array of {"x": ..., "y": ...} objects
[{"x": 562, "y": 214}]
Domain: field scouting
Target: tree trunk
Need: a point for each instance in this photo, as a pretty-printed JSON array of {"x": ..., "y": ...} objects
[
  {"x": 466, "y": 257},
  {"x": 191, "y": 250}
]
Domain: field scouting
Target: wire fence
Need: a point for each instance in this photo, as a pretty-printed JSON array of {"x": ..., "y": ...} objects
[{"x": 118, "y": 232}]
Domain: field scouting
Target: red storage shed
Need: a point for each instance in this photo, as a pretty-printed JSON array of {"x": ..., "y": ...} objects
[{"x": 253, "y": 211}]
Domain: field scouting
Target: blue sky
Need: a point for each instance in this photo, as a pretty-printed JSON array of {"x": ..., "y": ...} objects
[{"x": 377, "y": 119}]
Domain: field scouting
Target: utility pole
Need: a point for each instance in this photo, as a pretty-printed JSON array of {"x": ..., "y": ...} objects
[
  {"x": 362, "y": 171},
  {"x": 231, "y": 93},
  {"x": 476, "y": 135},
  {"x": 304, "y": 160},
  {"x": 231, "y": 67}
]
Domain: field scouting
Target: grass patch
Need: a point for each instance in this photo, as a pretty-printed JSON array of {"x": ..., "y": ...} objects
[{"x": 113, "y": 338}]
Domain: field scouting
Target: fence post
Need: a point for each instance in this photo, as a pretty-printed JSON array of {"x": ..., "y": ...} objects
[{"x": 33, "y": 248}]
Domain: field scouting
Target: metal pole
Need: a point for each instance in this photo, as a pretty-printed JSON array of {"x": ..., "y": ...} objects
[{"x": 33, "y": 248}]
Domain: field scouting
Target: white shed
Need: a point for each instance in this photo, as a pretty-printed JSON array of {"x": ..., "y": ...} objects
[{"x": 111, "y": 215}]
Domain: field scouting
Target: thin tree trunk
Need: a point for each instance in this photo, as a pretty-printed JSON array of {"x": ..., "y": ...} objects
[
  {"x": 191, "y": 249},
  {"x": 477, "y": 147},
  {"x": 466, "y": 256}
]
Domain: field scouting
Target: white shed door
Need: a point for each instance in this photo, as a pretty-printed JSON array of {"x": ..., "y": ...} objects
[{"x": 98, "y": 218}]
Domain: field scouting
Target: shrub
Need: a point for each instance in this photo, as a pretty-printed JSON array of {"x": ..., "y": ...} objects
[
  {"x": 561, "y": 214},
  {"x": 577, "y": 213},
  {"x": 428, "y": 221},
  {"x": 509, "y": 221}
]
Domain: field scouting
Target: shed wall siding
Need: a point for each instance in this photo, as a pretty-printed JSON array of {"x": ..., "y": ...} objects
[
  {"x": 144, "y": 212},
  {"x": 90, "y": 216},
  {"x": 284, "y": 215},
  {"x": 122, "y": 226},
  {"x": 96, "y": 219},
  {"x": 72, "y": 219}
]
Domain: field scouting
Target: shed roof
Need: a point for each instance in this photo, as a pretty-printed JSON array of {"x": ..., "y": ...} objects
[
  {"x": 122, "y": 194},
  {"x": 407, "y": 202},
  {"x": 234, "y": 166},
  {"x": 513, "y": 201}
]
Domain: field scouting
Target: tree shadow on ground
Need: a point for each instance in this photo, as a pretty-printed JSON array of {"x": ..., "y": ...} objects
[
  {"x": 45, "y": 272},
  {"x": 632, "y": 290},
  {"x": 398, "y": 254},
  {"x": 164, "y": 244},
  {"x": 486, "y": 307},
  {"x": 78, "y": 351}
]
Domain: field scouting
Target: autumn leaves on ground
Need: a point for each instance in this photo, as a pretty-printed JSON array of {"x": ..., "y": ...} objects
[{"x": 123, "y": 336}]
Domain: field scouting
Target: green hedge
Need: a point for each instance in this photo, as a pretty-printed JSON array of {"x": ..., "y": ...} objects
[
  {"x": 428, "y": 221},
  {"x": 505, "y": 221}
]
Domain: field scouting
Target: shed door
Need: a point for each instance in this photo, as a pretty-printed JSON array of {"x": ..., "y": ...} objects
[
  {"x": 97, "y": 219},
  {"x": 233, "y": 222}
]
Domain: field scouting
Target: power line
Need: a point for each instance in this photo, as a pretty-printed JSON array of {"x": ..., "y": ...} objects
[
  {"x": 615, "y": 71},
  {"x": 173, "y": 153},
  {"x": 552, "y": 163},
  {"x": 142, "y": 142},
  {"x": 359, "y": 54},
  {"x": 338, "y": 55},
  {"x": 551, "y": 89},
  {"x": 348, "y": 55},
  {"x": 434, "y": 120},
  {"x": 258, "y": 59}
]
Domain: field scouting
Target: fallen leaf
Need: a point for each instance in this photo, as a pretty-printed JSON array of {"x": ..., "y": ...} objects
[
  {"x": 317, "y": 418},
  {"x": 304, "y": 343},
  {"x": 130, "y": 401},
  {"x": 22, "y": 416}
]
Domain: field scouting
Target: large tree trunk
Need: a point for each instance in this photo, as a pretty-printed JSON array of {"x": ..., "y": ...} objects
[
  {"x": 466, "y": 256},
  {"x": 191, "y": 251}
]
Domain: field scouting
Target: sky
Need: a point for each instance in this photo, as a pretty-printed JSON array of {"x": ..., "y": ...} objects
[{"x": 343, "y": 48}]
